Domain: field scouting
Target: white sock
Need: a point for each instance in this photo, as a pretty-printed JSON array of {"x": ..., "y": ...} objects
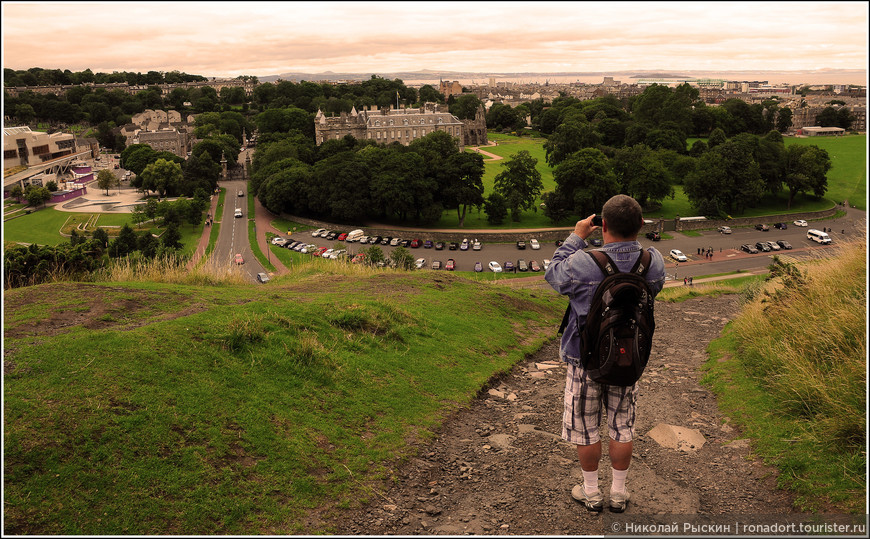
[
  {"x": 618, "y": 484},
  {"x": 590, "y": 481}
]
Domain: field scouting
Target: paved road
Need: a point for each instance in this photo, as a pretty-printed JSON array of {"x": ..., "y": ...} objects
[{"x": 727, "y": 255}]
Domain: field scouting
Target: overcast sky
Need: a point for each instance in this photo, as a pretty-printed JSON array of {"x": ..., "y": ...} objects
[{"x": 269, "y": 38}]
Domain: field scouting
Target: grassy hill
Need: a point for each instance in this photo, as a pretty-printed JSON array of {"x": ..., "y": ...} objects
[
  {"x": 791, "y": 370},
  {"x": 151, "y": 408}
]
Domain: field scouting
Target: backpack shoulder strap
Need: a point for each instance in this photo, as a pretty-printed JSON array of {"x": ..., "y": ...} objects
[
  {"x": 641, "y": 266},
  {"x": 604, "y": 262}
]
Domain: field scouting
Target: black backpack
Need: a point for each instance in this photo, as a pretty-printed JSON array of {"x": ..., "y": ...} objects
[{"x": 616, "y": 341}]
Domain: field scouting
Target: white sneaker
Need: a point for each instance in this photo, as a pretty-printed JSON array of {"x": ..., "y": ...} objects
[
  {"x": 594, "y": 503},
  {"x": 618, "y": 501}
]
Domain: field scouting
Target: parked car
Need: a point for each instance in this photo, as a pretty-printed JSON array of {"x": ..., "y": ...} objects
[
  {"x": 319, "y": 251},
  {"x": 476, "y": 245},
  {"x": 655, "y": 236},
  {"x": 359, "y": 257},
  {"x": 317, "y": 232},
  {"x": 784, "y": 244},
  {"x": 521, "y": 244},
  {"x": 478, "y": 267},
  {"x": 773, "y": 245},
  {"x": 331, "y": 236},
  {"x": 763, "y": 246},
  {"x": 533, "y": 243},
  {"x": 508, "y": 266},
  {"x": 375, "y": 240},
  {"x": 522, "y": 265},
  {"x": 386, "y": 240},
  {"x": 546, "y": 264},
  {"x": 761, "y": 227},
  {"x": 781, "y": 226},
  {"x": 415, "y": 243},
  {"x": 436, "y": 265},
  {"x": 325, "y": 233},
  {"x": 534, "y": 266},
  {"x": 800, "y": 222},
  {"x": 326, "y": 253},
  {"x": 464, "y": 245},
  {"x": 338, "y": 253},
  {"x": 405, "y": 243},
  {"x": 419, "y": 263},
  {"x": 439, "y": 245},
  {"x": 749, "y": 249},
  {"x": 596, "y": 242},
  {"x": 428, "y": 244},
  {"x": 725, "y": 230},
  {"x": 238, "y": 259},
  {"x": 342, "y": 236},
  {"x": 494, "y": 267},
  {"x": 395, "y": 241},
  {"x": 678, "y": 255},
  {"x": 263, "y": 278},
  {"x": 453, "y": 246},
  {"x": 451, "y": 265},
  {"x": 363, "y": 240},
  {"x": 278, "y": 240}
]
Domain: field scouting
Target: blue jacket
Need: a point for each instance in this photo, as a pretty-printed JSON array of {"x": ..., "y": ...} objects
[{"x": 575, "y": 274}]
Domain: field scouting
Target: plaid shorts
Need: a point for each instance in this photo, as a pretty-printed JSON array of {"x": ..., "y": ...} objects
[{"x": 583, "y": 400}]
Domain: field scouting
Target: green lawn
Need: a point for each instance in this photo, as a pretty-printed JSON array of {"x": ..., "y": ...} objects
[
  {"x": 847, "y": 179},
  {"x": 239, "y": 416},
  {"x": 43, "y": 227}
]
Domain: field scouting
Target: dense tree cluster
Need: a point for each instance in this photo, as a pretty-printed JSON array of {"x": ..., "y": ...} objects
[
  {"x": 600, "y": 148},
  {"x": 37, "y": 76},
  {"x": 351, "y": 180}
]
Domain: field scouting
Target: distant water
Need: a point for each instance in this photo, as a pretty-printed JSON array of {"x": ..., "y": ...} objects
[{"x": 854, "y": 77}]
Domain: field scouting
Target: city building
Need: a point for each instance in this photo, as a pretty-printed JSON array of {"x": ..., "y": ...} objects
[
  {"x": 162, "y": 130},
  {"x": 34, "y": 157},
  {"x": 404, "y": 125},
  {"x": 448, "y": 88},
  {"x": 23, "y": 147}
]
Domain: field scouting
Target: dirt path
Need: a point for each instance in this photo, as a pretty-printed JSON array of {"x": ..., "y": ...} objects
[{"x": 500, "y": 467}]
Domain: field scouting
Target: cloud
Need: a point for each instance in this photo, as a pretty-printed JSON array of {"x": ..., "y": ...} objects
[{"x": 264, "y": 38}]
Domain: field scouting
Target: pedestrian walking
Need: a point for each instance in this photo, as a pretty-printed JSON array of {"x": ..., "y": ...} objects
[
  {"x": 690, "y": 281},
  {"x": 685, "y": 281}
]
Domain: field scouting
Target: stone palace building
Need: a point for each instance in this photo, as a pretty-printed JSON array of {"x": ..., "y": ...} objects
[{"x": 403, "y": 125}]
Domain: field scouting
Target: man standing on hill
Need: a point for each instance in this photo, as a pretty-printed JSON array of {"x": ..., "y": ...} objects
[{"x": 574, "y": 273}]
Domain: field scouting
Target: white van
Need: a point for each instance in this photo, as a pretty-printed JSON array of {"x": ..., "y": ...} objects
[
  {"x": 354, "y": 235},
  {"x": 818, "y": 236}
]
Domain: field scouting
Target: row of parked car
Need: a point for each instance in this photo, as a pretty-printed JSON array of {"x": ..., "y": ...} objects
[
  {"x": 765, "y": 246},
  {"x": 495, "y": 267},
  {"x": 358, "y": 236}
]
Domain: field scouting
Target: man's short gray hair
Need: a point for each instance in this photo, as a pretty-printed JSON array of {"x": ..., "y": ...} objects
[{"x": 624, "y": 216}]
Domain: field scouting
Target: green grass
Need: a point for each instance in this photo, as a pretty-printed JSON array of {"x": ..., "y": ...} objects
[
  {"x": 791, "y": 371},
  {"x": 43, "y": 227},
  {"x": 290, "y": 226},
  {"x": 847, "y": 179},
  {"x": 243, "y": 414},
  {"x": 255, "y": 247}
]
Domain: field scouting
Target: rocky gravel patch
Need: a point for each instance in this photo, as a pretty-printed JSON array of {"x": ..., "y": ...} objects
[{"x": 500, "y": 467}]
